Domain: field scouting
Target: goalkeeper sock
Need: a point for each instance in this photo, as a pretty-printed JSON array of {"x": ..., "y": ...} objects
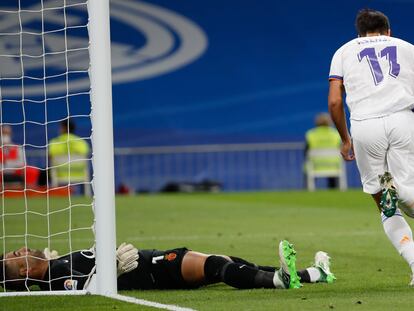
[
  {"x": 399, "y": 233},
  {"x": 245, "y": 277},
  {"x": 310, "y": 275},
  {"x": 238, "y": 275},
  {"x": 242, "y": 261},
  {"x": 249, "y": 264}
]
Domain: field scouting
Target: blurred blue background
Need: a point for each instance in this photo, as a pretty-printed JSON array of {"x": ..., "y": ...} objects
[
  {"x": 196, "y": 72},
  {"x": 186, "y": 73},
  {"x": 262, "y": 77}
]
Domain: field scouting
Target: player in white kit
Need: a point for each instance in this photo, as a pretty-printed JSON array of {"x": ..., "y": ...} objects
[{"x": 376, "y": 72}]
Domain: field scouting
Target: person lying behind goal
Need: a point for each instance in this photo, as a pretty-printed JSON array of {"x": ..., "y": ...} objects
[{"x": 177, "y": 268}]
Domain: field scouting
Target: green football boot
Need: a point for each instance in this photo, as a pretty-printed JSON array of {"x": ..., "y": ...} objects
[{"x": 287, "y": 272}]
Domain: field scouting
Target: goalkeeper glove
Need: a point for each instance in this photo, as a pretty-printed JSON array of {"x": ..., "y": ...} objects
[
  {"x": 127, "y": 258},
  {"x": 50, "y": 254}
]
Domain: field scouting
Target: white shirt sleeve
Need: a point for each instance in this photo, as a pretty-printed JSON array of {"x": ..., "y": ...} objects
[
  {"x": 412, "y": 49},
  {"x": 336, "y": 71}
]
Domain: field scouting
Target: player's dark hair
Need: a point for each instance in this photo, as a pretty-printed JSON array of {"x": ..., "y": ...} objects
[{"x": 368, "y": 20}]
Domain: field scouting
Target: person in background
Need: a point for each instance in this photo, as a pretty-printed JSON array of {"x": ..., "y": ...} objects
[
  {"x": 68, "y": 154},
  {"x": 13, "y": 165},
  {"x": 323, "y": 136},
  {"x": 376, "y": 73},
  {"x": 12, "y": 157}
]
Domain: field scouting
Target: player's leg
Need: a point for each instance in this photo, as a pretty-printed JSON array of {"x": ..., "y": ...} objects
[
  {"x": 199, "y": 268},
  {"x": 400, "y": 158},
  {"x": 253, "y": 265},
  {"x": 319, "y": 272},
  {"x": 371, "y": 145},
  {"x": 308, "y": 275},
  {"x": 244, "y": 275},
  {"x": 192, "y": 268},
  {"x": 219, "y": 269}
]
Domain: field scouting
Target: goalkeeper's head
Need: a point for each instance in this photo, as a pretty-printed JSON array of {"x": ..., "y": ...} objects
[{"x": 17, "y": 267}]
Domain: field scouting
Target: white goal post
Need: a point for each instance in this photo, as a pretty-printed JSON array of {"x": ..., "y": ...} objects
[
  {"x": 18, "y": 83},
  {"x": 102, "y": 142}
]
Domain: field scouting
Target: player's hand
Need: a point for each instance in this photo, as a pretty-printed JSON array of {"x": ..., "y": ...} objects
[
  {"x": 127, "y": 258},
  {"x": 347, "y": 150},
  {"x": 50, "y": 254}
]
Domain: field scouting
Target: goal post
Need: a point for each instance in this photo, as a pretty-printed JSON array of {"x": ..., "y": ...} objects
[
  {"x": 102, "y": 143},
  {"x": 55, "y": 68}
]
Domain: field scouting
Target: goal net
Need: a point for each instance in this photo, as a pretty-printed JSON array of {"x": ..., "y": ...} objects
[{"x": 55, "y": 137}]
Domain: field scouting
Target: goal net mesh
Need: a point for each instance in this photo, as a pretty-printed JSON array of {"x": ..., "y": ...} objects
[{"x": 45, "y": 115}]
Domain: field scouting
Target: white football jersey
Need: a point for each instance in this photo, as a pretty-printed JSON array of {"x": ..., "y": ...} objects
[{"x": 378, "y": 75}]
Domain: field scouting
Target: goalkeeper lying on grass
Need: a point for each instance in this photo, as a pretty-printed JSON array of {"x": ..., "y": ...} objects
[{"x": 178, "y": 268}]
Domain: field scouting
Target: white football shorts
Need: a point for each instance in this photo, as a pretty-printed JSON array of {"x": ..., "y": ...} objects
[{"x": 386, "y": 144}]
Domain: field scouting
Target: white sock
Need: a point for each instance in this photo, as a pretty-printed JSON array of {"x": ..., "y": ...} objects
[
  {"x": 277, "y": 281},
  {"x": 399, "y": 233},
  {"x": 314, "y": 274}
]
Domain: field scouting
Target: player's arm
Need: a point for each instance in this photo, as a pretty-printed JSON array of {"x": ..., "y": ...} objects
[
  {"x": 337, "y": 112},
  {"x": 64, "y": 277}
]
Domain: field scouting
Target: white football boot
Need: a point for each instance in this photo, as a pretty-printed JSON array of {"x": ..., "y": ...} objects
[{"x": 323, "y": 262}]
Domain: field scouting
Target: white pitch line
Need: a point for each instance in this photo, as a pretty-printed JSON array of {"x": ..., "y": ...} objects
[
  {"x": 84, "y": 292},
  {"x": 149, "y": 303}
]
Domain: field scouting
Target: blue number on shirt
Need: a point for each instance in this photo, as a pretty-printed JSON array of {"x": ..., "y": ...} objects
[{"x": 390, "y": 52}]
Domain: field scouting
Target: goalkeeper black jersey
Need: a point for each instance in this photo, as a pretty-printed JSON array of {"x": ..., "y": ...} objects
[
  {"x": 156, "y": 270},
  {"x": 69, "y": 272}
]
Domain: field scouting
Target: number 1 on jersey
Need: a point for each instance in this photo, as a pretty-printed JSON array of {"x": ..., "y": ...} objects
[{"x": 390, "y": 52}]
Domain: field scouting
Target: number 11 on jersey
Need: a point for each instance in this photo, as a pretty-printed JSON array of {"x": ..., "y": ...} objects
[{"x": 390, "y": 52}]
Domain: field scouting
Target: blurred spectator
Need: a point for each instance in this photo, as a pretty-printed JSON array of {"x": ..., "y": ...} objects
[
  {"x": 14, "y": 168},
  {"x": 123, "y": 189},
  {"x": 69, "y": 157},
  {"x": 12, "y": 157},
  {"x": 321, "y": 138}
]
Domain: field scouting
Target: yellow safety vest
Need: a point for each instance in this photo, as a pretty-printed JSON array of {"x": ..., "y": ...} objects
[
  {"x": 324, "y": 137},
  {"x": 72, "y": 150}
]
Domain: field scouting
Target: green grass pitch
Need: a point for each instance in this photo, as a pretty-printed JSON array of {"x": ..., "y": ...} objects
[{"x": 370, "y": 273}]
